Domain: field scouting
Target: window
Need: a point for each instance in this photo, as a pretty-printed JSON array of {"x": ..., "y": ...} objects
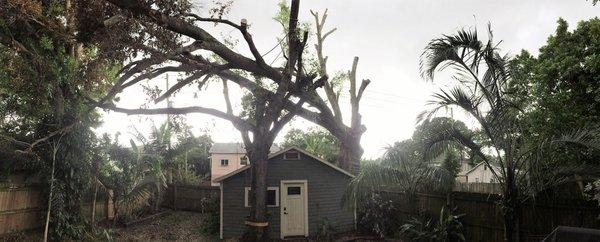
[
  {"x": 224, "y": 162},
  {"x": 291, "y": 155},
  {"x": 293, "y": 190},
  {"x": 244, "y": 161},
  {"x": 476, "y": 179},
  {"x": 272, "y": 197}
]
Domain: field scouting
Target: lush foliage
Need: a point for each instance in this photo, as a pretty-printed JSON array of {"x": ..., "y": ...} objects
[
  {"x": 211, "y": 215},
  {"x": 399, "y": 171},
  {"x": 482, "y": 89},
  {"x": 377, "y": 215},
  {"x": 447, "y": 228},
  {"x": 317, "y": 141},
  {"x": 139, "y": 174},
  {"x": 45, "y": 80},
  {"x": 327, "y": 230},
  {"x": 559, "y": 88},
  {"x": 424, "y": 147}
]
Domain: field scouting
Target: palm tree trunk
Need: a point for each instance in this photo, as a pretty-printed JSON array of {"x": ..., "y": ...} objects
[
  {"x": 157, "y": 198},
  {"x": 511, "y": 208}
]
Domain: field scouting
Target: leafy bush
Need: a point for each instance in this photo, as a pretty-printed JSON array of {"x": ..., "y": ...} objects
[
  {"x": 376, "y": 216},
  {"x": 327, "y": 230},
  {"x": 210, "y": 219},
  {"x": 593, "y": 191},
  {"x": 447, "y": 228},
  {"x": 189, "y": 177}
]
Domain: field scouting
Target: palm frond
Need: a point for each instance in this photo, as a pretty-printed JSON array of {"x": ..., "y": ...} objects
[
  {"x": 138, "y": 198},
  {"x": 585, "y": 137},
  {"x": 408, "y": 177},
  {"x": 455, "y": 97},
  {"x": 455, "y": 51}
]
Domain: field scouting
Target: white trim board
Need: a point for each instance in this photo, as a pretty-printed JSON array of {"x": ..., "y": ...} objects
[{"x": 247, "y": 193}]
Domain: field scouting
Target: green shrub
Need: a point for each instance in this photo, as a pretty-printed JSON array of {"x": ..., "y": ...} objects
[
  {"x": 377, "y": 216},
  {"x": 327, "y": 230},
  {"x": 447, "y": 228},
  {"x": 210, "y": 215}
]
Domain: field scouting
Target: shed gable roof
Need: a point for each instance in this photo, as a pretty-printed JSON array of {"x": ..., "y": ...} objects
[
  {"x": 324, "y": 162},
  {"x": 479, "y": 165}
]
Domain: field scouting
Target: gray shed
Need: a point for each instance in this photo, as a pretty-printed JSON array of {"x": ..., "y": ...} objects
[{"x": 303, "y": 192}]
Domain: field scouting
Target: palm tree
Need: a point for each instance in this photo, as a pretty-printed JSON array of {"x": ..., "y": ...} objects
[
  {"x": 481, "y": 82},
  {"x": 397, "y": 172},
  {"x": 157, "y": 157}
]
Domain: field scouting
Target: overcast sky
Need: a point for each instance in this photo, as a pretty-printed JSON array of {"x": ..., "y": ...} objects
[{"x": 388, "y": 36}]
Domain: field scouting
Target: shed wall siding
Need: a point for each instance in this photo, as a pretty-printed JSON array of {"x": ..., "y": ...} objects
[{"x": 325, "y": 189}]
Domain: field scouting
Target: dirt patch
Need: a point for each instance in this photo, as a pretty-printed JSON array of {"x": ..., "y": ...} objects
[
  {"x": 176, "y": 226},
  {"x": 32, "y": 235}
]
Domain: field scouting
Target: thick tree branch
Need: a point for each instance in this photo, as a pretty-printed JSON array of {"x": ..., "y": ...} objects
[
  {"x": 155, "y": 73},
  {"x": 183, "y": 110},
  {"x": 243, "y": 28},
  {"x": 329, "y": 91},
  {"x": 226, "y": 96},
  {"x": 203, "y": 38},
  {"x": 363, "y": 86},
  {"x": 213, "y": 20},
  {"x": 181, "y": 84}
]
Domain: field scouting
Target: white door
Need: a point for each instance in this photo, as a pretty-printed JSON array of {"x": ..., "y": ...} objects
[{"x": 294, "y": 214}]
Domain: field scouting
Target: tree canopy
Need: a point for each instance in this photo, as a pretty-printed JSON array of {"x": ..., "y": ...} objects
[
  {"x": 317, "y": 141},
  {"x": 559, "y": 88}
]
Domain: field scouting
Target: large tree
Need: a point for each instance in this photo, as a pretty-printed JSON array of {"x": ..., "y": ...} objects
[
  {"x": 330, "y": 114},
  {"x": 559, "y": 88},
  {"x": 52, "y": 62},
  {"x": 482, "y": 89},
  {"x": 273, "y": 88}
]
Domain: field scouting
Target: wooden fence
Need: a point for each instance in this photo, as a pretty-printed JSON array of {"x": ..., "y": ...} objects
[
  {"x": 188, "y": 197},
  {"x": 483, "y": 215},
  {"x": 488, "y": 188},
  {"x": 23, "y": 206}
]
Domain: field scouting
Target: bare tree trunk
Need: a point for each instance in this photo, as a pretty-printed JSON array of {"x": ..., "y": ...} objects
[
  {"x": 257, "y": 226},
  {"x": 349, "y": 137},
  {"x": 350, "y": 154}
]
